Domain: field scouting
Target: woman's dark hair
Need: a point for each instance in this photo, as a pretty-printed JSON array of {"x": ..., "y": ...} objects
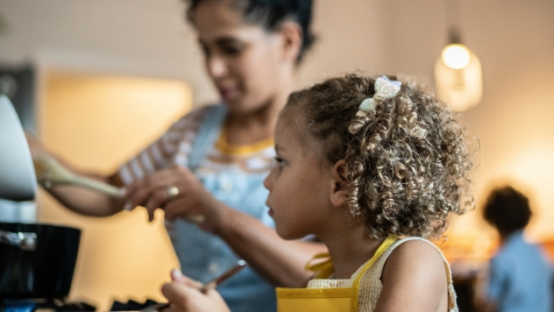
[
  {"x": 507, "y": 209},
  {"x": 271, "y": 13}
]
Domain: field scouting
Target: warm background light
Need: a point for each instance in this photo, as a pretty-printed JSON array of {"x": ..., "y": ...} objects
[
  {"x": 458, "y": 77},
  {"x": 455, "y": 56},
  {"x": 97, "y": 122}
]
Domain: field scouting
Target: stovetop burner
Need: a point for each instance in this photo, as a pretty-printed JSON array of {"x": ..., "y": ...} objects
[
  {"x": 56, "y": 305},
  {"x": 44, "y": 305}
]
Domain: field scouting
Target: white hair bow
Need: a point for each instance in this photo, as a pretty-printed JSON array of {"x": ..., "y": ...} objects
[{"x": 384, "y": 89}]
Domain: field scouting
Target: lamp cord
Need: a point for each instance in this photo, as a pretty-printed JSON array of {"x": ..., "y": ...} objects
[{"x": 453, "y": 21}]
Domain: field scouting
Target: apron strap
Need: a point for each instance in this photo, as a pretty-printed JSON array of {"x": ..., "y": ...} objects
[
  {"x": 208, "y": 133},
  {"x": 322, "y": 265},
  {"x": 378, "y": 253}
]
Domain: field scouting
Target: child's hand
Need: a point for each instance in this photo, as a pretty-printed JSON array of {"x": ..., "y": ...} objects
[{"x": 185, "y": 296}]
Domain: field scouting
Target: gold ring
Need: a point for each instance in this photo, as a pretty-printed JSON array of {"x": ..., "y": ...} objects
[{"x": 172, "y": 192}]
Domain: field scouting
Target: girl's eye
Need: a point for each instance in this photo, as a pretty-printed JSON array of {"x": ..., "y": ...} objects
[{"x": 279, "y": 162}]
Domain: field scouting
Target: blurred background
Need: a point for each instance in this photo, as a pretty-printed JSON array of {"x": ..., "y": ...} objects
[{"x": 102, "y": 70}]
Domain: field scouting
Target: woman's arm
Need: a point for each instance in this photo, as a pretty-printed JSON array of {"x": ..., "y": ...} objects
[
  {"x": 85, "y": 201},
  {"x": 78, "y": 199},
  {"x": 280, "y": 262},
  {"x": 414, "y": 279}
]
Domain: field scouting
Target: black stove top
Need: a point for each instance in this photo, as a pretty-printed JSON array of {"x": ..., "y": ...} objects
[
  {"x": 43, "y": 305},
  {"x": 57, "y": 305}
]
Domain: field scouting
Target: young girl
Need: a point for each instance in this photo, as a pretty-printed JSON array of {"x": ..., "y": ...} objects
[{"x": 369, "y": 166}]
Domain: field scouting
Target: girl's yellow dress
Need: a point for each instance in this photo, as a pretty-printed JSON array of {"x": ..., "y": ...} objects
[{"x": 359, "y": 293}]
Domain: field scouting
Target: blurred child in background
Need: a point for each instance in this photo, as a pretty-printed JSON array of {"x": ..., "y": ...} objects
[{"x": 519, "y": 277}]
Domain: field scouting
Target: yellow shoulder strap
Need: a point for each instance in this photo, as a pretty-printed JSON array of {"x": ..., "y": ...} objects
[
  {"x": 323, "y": 266},
  {"x": 380, "y": 250},
  {"x": 356, "y": 283}
]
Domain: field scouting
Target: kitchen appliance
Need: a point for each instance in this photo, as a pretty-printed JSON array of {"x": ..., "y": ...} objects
[
  {"x": 17, "y": 175},
  {"x": 37, "y": 261}
]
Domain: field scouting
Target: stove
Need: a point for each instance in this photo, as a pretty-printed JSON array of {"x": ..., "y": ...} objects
[
  {"x": 43, "y": 305},
  {"x": 57, "y": 305}
]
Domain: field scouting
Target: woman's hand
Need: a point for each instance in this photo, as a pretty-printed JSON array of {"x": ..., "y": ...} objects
[
  {"x": 177, "y": 191},
  {"x": 185, "y": 296}
]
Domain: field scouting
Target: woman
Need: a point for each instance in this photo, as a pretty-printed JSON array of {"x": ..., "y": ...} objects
[{"x": 209, "y": 166}]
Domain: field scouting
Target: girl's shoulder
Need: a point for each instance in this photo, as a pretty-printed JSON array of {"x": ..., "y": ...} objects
[
  {"x": 411, "y": 255},
  {"x": 415, "y": 246},
  {"x": 420, "y": 268},
  {"x": 414, "y": 254}
]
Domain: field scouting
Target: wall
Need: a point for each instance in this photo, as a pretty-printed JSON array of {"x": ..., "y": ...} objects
[
  {"x": 514, "y": 40},
  {"x": 149, "y": 38}
]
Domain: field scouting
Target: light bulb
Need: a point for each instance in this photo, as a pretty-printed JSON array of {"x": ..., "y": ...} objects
[
  {"x": 461, "y": 88},
  {"x": 455, "y": 56}
]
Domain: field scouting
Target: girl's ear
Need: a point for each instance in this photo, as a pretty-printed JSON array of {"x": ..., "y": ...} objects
[
  {"x": 291, "y": 33},
  {"x": 340, "y": 181}
]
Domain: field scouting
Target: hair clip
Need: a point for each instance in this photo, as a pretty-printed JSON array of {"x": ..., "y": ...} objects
[
  {"x": 384, "y": 89},
  {"x": 418, "y": 132}
]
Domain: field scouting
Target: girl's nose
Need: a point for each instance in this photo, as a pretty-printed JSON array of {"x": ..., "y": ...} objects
[
  {"x": 267, "y": 182},
  {"x": 216, "y": 66}
]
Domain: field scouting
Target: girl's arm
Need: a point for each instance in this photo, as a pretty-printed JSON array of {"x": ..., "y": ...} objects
[{"x": 414, "y": 279}]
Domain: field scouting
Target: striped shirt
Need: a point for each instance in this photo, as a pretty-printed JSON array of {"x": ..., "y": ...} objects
[{"x": 174, "y": 148}]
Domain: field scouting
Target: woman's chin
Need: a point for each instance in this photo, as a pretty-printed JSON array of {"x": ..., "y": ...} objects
[
  {"x": 230, "y": 97},
  {"x": 235, "y": 104},
  {"x": 240, "y": 107}
]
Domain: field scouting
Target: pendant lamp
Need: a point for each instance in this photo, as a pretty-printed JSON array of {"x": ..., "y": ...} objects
[{"x": 458, "y": 76}]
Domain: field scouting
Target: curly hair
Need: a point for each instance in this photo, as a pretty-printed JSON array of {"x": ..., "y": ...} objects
[
  {"x": 507, "y": 209},
  {"x": 408, "y": 165}
]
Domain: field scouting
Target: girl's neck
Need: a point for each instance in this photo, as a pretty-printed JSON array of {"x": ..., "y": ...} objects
[{"x": 350, "y": 247}]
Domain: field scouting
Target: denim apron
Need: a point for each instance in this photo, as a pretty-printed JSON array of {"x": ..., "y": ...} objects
[{"x": 204, "y": 256}]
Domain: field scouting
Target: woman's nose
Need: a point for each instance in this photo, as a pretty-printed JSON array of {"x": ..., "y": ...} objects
[{"x": 216, "y": 66}]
